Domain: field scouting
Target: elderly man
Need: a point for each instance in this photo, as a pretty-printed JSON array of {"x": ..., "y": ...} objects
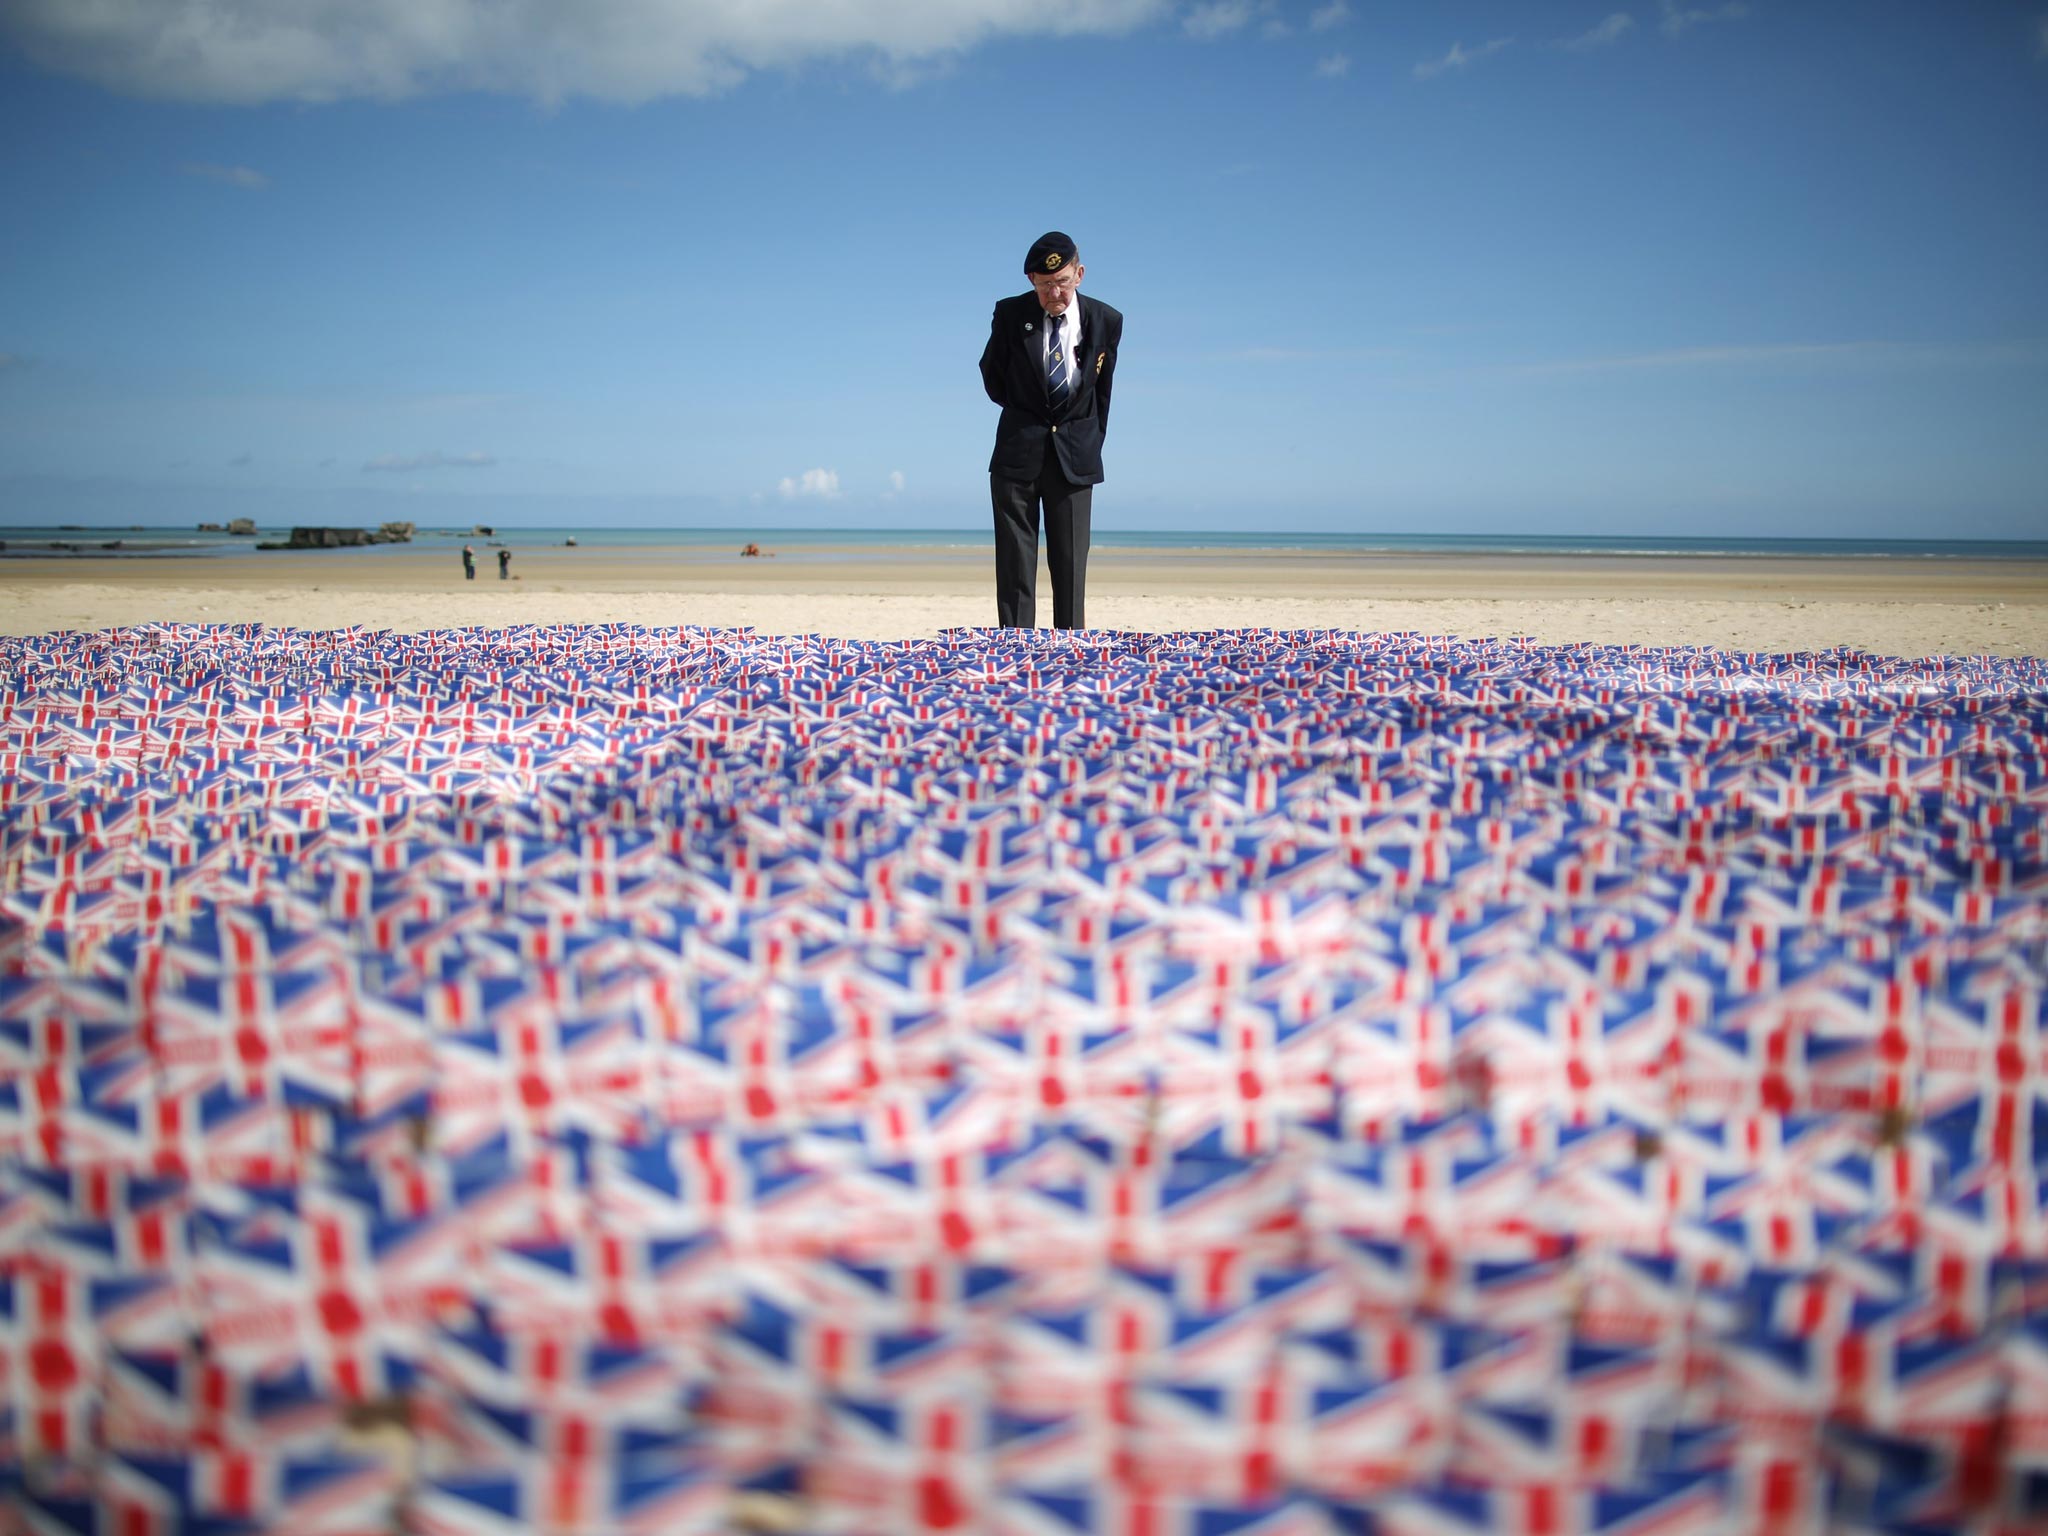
[{"x": 1049, "y": 363}]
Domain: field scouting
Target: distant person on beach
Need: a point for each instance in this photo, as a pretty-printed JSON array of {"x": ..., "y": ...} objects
[
  {"x": 1049, "y": 363},
  {"x": 504, "y": 565},
  {"x": 468, "y": 563}
]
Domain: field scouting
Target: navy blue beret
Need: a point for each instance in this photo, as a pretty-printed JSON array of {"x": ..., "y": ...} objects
[{"x": 1050, "y": 252}]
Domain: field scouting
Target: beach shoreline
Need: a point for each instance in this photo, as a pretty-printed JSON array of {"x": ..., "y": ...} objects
[{"x": 1895, "y": 606}]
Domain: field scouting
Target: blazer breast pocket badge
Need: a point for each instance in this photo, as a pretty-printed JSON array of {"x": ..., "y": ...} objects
[{"x": 1098, "y": 360}]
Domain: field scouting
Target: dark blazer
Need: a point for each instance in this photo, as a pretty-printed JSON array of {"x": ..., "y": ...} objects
[{"x": 1013, "y": 372}]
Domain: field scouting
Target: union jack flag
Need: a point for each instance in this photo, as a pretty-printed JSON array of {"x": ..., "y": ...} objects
[{"x": 676, "y": 1079}]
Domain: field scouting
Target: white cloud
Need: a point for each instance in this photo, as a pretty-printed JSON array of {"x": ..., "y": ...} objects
[
  {"x": 1324, "y": 17},
  {"x": 1679, "y": 19},
  {"x": 1459, "y": 57},
  {"x": 401, "y": 463},
  {"x": 1331, "y": 65},
  {"x": 1612, "y": 30},
  {"x": 895, "y": 481},
  {"x": 1213, "y": 18},
  {"x": 234, "y": 175},
  {"x": 822, "y": 484},
  {"x": 247, "y": 51}
]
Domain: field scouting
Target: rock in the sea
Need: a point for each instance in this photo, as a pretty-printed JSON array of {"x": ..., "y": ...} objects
[{"x": 345, "y": 538}]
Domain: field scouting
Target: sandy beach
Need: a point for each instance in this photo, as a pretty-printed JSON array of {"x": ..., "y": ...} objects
[{"x": 1892, "y": 606}]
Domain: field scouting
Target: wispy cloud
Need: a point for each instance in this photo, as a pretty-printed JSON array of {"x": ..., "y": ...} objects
[
  {"x": 1700, "y": 357},
  {"x": 1776, "y": 354},
  {"x": 234, "y": 175},
  {"x": 457, "y": 402},
  {"x": 817, "y": 484},
  {"x": 1679, "y": 19},
  {"x": 620, "y": 50},
  {"x": 1324, "y": 17},
  {"x": 1606, "y": 33},
  {"x": 1331, "y": 65},
  {"x": 1310, "y": 354},
  {"x": 1216, "y": 18},
  {"x": 1460, "y": 57},
  {"x": 895, "y": 481},
  {"x": 894, "y": 74},
  {"x": 405, "y": 463}
]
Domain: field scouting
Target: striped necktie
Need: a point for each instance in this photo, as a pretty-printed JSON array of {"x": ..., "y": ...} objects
[{"x": 1058, "y": 384}]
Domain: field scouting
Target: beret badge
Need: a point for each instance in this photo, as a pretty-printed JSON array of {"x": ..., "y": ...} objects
[{"x": 1053, "y": 260}]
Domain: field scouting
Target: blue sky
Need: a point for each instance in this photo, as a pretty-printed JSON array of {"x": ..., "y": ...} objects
[{"x": 1655, "y": 267}]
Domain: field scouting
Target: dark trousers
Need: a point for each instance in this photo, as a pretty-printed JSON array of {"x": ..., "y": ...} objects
[{"x": 1017, "y": 504}]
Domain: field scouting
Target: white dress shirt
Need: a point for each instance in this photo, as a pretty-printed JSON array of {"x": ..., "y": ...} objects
[{"x": 1069, "y": 333}]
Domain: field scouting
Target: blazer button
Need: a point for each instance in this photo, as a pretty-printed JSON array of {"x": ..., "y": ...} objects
[{"x": 1055, "y": 429}]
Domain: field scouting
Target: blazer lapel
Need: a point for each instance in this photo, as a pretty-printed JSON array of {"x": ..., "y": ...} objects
[
  {"x": 1031, "y": 345},
  {"x": 1083, "y": 359}
]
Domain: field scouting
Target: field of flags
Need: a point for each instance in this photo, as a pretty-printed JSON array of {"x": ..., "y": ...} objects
[{"x": 598, "y": 1079}]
